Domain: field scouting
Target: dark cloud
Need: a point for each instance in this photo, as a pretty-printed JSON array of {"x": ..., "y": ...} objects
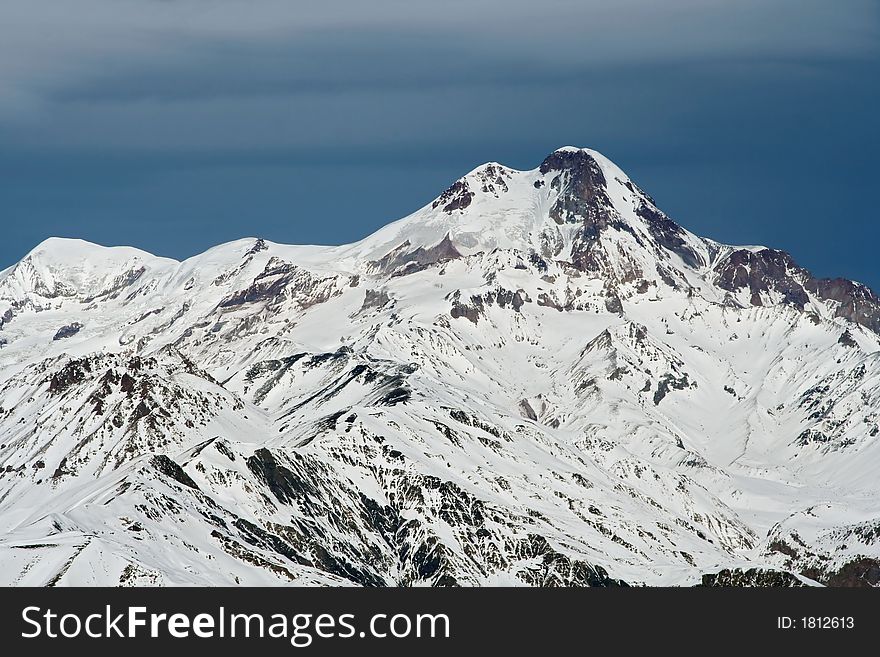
[{"x": 750, "y": 121}]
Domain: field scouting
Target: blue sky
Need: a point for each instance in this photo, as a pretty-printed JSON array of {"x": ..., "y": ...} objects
[{"x": 173, "y": 125}]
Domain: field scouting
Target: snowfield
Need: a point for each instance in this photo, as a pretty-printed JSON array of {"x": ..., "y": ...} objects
[{"x": 537, "y": 379}]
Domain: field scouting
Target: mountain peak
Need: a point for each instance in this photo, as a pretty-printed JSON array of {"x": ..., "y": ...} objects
[
  {"x": 571, "y": 154},
  {"x": 582, "y": 188},
  {"x": 61, "y": 266},
  {"x": 576, "y": 206},
  {"x": 531, "y": 340}
]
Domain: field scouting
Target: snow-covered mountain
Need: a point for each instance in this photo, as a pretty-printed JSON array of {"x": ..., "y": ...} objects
[{"x": 539, "y": 378}]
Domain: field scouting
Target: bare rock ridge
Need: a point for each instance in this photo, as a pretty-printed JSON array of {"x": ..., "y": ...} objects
[
  {"x": 402, "y": 261},
  {"x": 539, "y": 378}
]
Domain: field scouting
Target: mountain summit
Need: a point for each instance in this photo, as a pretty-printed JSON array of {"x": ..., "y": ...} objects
[{"x": 538, "y": 378}]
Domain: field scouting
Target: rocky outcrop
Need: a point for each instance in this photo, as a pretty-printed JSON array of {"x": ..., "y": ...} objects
[
  {"x": 282, "y": 281},
  {"x": 582, "y": 191},
  {"x": 457, "y": 197},
  {"x": 762, "y": 272},
  {"x": 68, "y": 331},
  {"x": 404, "y": 259},
  {"x": 171, "y": 469},
  {"x": 752, "y": 577},
  {"x": 852, "y": 301},
  {"x": 770, "y": 276}
]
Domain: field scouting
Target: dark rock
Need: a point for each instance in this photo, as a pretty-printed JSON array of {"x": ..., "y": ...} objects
[
  {"x": 384, "y": 519},
  {"x": 471, "y": 311},
  {"x": 670, "y": 382},
  {"x": 763, "y": 271},
  {"x": 284, "y": 484},
  {"x": 526, "y": 410},
  {"x": 558, "y": 570},
  {"x": 74, "y": 372},
  {"x": 477, "y": 304},
  {"x": 457, "y": 197},
  {"x": 270, "y": 285},
  {"x": 118, "y": 284},
  {"x": 222, "y": 447},
  {"x": 61, "y": 470},
  {"x": 259, "y": 537},
  {"x": 279, "y": 281},
  {"x": 404, "y": 260},
  {"x": 397, "y": 395},
  {"x": 292, "y": 544},
  {"x": 613, "y": 304},
  {"x": 669, "y": 234},
  {"x": 856, "y": 302},
  {"x": 259, "y": 245},
  {"x": 492, "y": 179},
  {"x": 582, "y": 189},
  {"x": 126, "y": 383},
  {"x": 538, "y": 262},
  {"x": 753, "y": 577},
  {"x": 783, "y": 548},
  {"x": 846, "y": 339},
  {"x": 171, "y": 469},
  {"x": 375, "y": 299},
  {"x": 68, "y": 331},
  {"x": 808, "y": 436},
  {"x": 861, "y": 572},
  {"x": 768, "y": 269}
]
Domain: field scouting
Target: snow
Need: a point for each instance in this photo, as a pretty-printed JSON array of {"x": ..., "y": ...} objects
[{"x": 669, "y": 440}]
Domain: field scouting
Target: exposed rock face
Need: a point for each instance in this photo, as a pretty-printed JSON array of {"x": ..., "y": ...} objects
[
  {"x": 855, "y": 302},
  {"x": 170, "y": 469},
  {"x": 72, "y": 373},
  {"x": 475, "y": 307},
  {"x": 761, "y": 272},
  {"x": 283, "y": 483},
  {"x": 68, "y": 331},
  {"x": 119, "y": 284},
  {"x": 858, "y": 573},
  {"x": 846, "y": 339},
  {"x": 259, "y": 245},
  {"x": 751, "y": 577},
  {"x": 582, "y": 191},
  {"x": 375, "y": 299},
  {"x": 582, "y": 199},
  {"x": 822, "y": 567},
  {"x": 669, "y": 234},
  {"x": 557, "y": 570},
  {"x": 280, "y": 281},
  {"x": 767, "y": 273},
  {"x": 405, "y": 260},
  {"x": 457, "y": 197},
  {"x": 493, "y": 179}
]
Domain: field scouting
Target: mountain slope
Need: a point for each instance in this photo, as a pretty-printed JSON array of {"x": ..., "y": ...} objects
[{"x": 539, "y": 378}]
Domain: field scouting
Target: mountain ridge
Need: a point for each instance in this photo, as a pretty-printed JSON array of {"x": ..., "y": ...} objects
[
  {"x": 750, "y": 263},
  {"x": 538, "y": 378}
]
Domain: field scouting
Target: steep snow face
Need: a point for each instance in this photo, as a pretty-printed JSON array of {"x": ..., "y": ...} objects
[
  {"x": 538, "y": 378},
  {"x": 577, "y": 206}
]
